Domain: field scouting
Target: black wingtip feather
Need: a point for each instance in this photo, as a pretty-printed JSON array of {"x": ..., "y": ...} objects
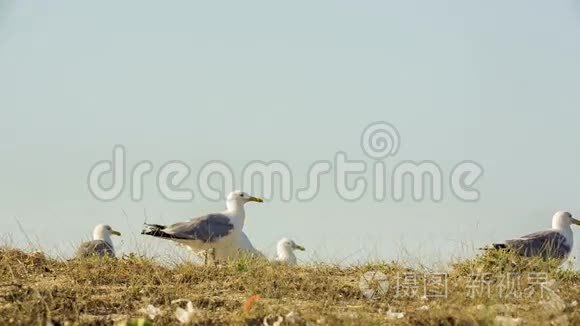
[
  {"x": 495, "y": 246},
  {"x": 155, "y": 230}
]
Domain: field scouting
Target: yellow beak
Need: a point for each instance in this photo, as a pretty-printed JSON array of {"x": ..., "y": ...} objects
[
  {"x": 113, "y": 232},
  {"x": 256, "y": 199},
  {"x": 575, "y": 221}
]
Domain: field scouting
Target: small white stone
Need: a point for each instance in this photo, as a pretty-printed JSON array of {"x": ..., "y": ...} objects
[
  {"x": 395, "y": 315},
  {"x": 151, "y": 311},
  {"x": 507, "y": 321},
  {"x": 185, "y": 316}
]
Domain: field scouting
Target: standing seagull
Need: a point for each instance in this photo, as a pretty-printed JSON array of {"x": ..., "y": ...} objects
[
  {"x": 554, "y": 243},
  {"x": 285, "y": 249},
  {"x": 102, "y": 245},
  {"x": 212, "y": 232}
]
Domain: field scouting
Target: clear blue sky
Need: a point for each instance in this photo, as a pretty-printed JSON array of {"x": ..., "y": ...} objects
[{"x": 491, "y": 81}]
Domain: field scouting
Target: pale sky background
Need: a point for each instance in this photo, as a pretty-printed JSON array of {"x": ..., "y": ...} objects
[{"x": 491, "y": 81}]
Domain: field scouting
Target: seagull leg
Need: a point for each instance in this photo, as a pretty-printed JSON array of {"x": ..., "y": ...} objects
[{"x": 210, "y": 256}]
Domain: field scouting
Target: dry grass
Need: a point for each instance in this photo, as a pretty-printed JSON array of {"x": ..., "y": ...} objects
[{"x": 35, "y": 290}]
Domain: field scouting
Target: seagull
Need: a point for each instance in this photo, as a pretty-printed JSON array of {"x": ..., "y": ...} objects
[
  {"x": 101, "y": 245},
  {"x": 285, "y": 249},
  {"x": 556, "y": 242},
  {"x": 212, "y": 233}
]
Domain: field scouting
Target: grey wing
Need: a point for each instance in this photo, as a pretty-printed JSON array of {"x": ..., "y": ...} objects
[
  {"x": 547, "y": 244},
  {"x": 95, "y": 248},
  {"x": 207, "y": 228}
]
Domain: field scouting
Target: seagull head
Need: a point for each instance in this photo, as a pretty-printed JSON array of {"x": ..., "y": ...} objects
[
  {"x": 286, "y": 245},
  {"x": 563, "y": 220},
  {"x": 240, "y": 198},
  {"x": 104, "y": 232}
]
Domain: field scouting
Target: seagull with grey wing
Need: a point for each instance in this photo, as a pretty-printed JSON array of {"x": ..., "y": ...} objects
[
  {"x": 101, "y": 245},
  {"x": 555, "y": 243},
  {"x": 212, "y": 232}
]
